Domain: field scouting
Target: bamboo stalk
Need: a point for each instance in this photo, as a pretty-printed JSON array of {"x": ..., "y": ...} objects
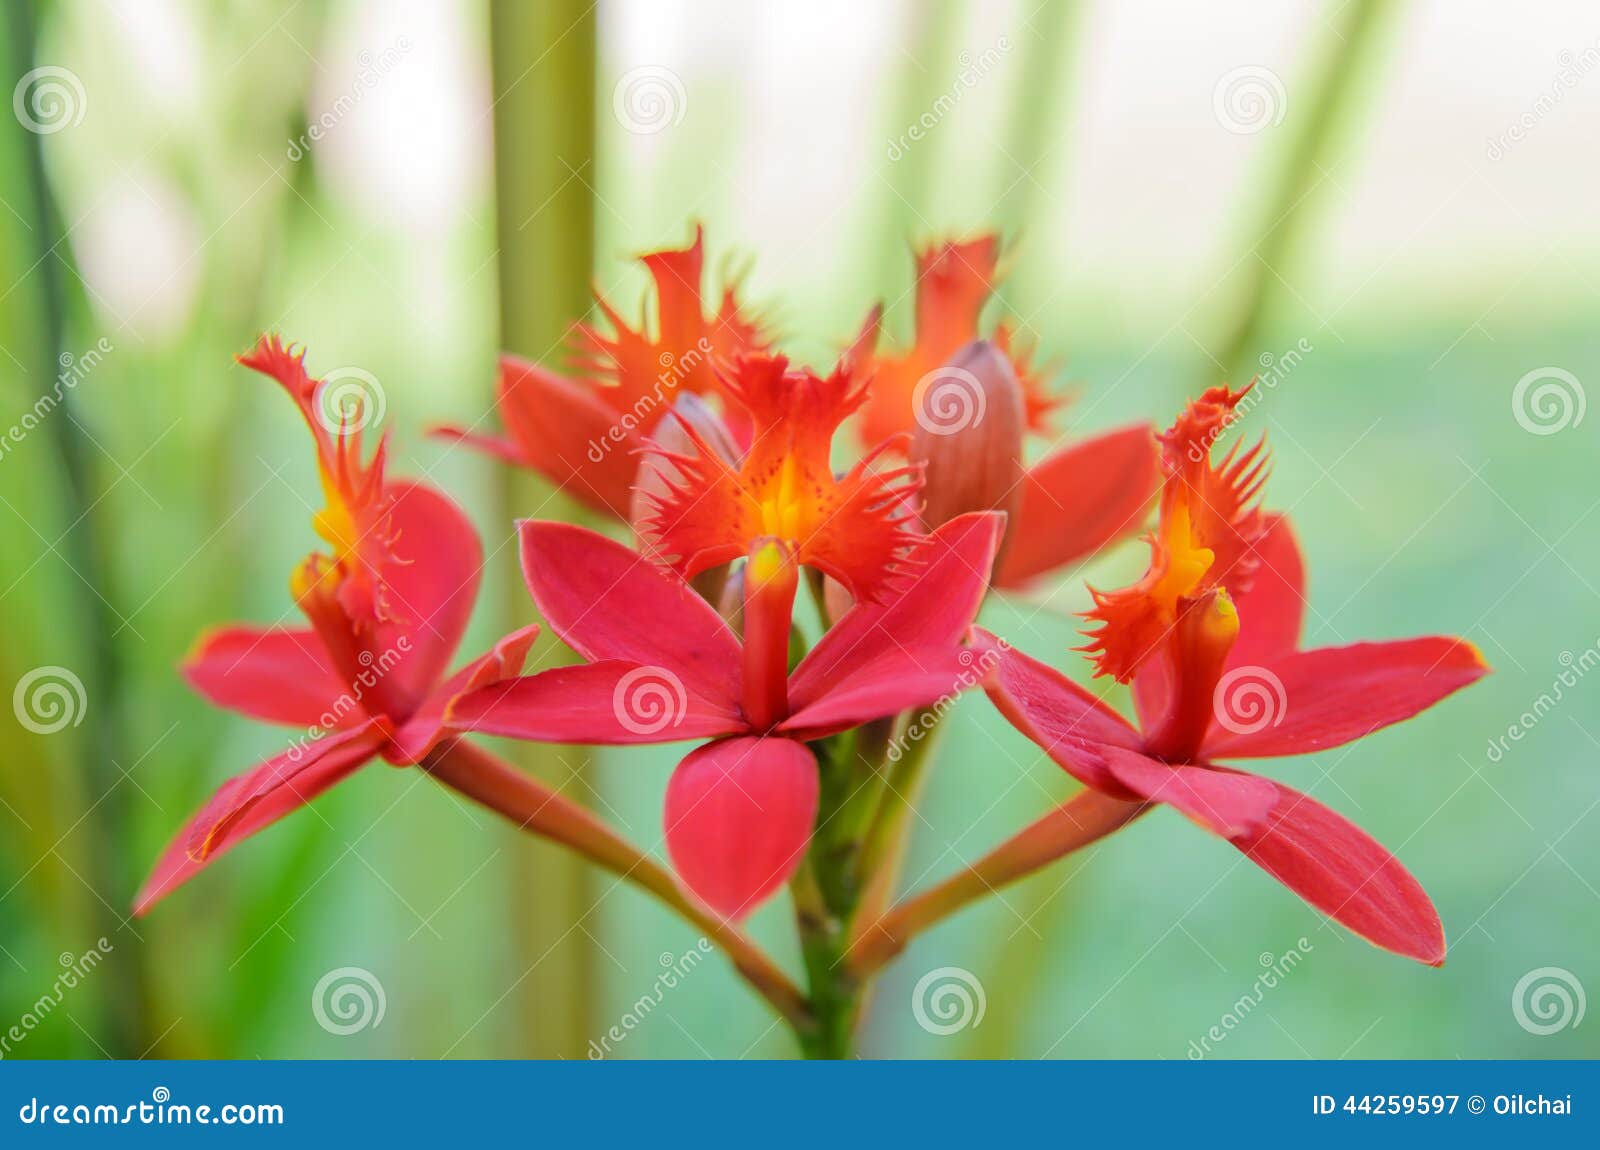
[
  {"x": 1352, "y": 36},
  {"x": 126, "y": 1001},
  {"x": 543, "y": 60}
]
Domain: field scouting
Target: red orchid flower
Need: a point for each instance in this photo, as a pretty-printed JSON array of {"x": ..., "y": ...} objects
[
  {"x": 705, "y": 510},
  {"x": 582, "y": 433},
  {"x": 1209, "y": 639},
  {"x": 387, "y": 607},
  {"x": 662, "y": 666},
  {"x": 1069, "y": 504}
]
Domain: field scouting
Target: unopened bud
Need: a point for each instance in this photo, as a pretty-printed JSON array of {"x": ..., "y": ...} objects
[{"x": 969, "y": 428}]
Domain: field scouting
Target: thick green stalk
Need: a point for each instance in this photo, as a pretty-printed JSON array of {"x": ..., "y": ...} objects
[
  {"x": 826, "y": 892},
  {"x": 543, "y": 58}
]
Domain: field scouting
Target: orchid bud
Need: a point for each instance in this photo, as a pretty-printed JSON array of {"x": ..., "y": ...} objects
[{"x": 970, "y": 424}]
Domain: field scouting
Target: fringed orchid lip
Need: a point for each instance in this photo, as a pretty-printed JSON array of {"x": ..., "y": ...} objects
[
  {"x": 1209, "y": 524},
  {"x": 356, "y": 519},
  {"x": 582, "y": 431},
  {"x": 859, "y": 528}
]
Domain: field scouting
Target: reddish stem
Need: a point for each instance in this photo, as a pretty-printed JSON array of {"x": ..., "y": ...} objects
[
  {"x": 1083, "y": 819},
  {"x": 490, "y": 781}
]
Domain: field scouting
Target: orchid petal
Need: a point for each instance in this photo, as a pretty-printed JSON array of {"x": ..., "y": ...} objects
[
  {"x": 422, "y": 732},
  {"x": 1313, "y": 700},
  {"x": 895, "y": 681},
  {"x": 249, "y": 802},
  {"x": 608, "y": 703},
  {"x": 1226, "y": 803},
  {"x": 1271, "y": 610},
  {"x": 1339, "y": 869},
  {"x": 933, "y": 610},
  {"x": 739, "y": 814},
  {"x": 608, "y": 602},
  {"x": 1065, "y": 721},
  {"x": 1079, "y": 499},
  {"x": 560, "y": 426},
  {"x": 278, "y": 674}
]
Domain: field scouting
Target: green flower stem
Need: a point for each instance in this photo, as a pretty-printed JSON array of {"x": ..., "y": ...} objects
[
  {"x": 1085, "y": 818},
  {"x": 491, "y": 782},
  {"x": 906, "y": 760}
]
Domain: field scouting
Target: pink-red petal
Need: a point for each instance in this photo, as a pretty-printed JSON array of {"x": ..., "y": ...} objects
[
  {"x": 739, "y": 814},
  {"x": 893, "y": 682},
  {"x": 1226, "y": 803},
  {"x": 1313, "y": 700},
  {"x": 278, "y": 674},
  {"x": 1339, "y": 869},
  {"x": 422, "y": 732},
  {"x": 1078, "y": 499},
  {"x": 566, "y": 432},
  {"x": 1065, "y": 721},
  {"x": 431, "y": 592},
  {"x": 249, "y": 802},
  {"x": 607, "y": 602},
  {"x": 935, "y": 608},
  {"x": 610, "y": 703},
  {"x": 1272, "y": 610}
]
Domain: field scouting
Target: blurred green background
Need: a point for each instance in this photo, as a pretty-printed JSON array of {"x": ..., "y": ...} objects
[{"x": 1402, "y": 193}]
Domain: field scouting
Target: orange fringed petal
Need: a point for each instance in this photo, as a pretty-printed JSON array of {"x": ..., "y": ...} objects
[
  {"x": 954, "y": 281},
  {"x": 633, "y": 367},
  {"x": 1210, "y": 522},
  {"x": 857, "y": 528},
  {"x": 356, "y": 520}
]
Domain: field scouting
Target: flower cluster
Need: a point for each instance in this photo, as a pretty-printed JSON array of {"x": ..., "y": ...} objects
[{"x": 724, "y": 502}]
